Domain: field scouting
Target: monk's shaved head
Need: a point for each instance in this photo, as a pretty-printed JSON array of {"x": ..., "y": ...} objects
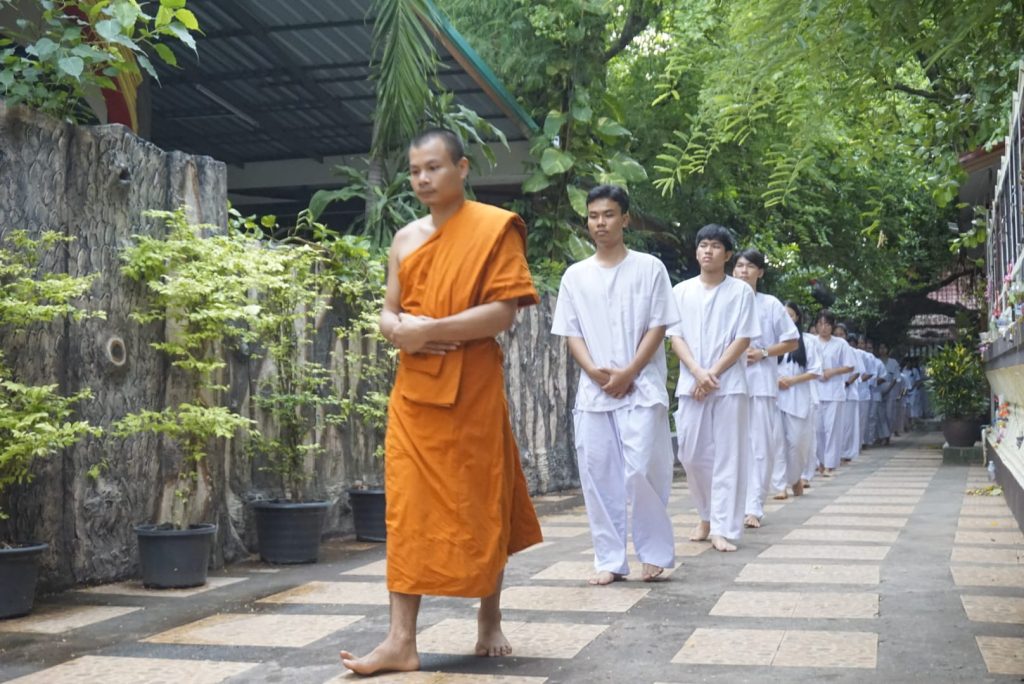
[{"x": 451, "y": 142}]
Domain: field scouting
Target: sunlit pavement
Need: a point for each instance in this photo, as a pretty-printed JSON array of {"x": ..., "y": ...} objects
[{"x": 889, "y": 572}]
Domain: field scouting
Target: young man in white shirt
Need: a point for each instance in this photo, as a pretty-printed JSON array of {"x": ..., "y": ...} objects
[
  {"x": 718, "y": 320},
  {"x": 837, "y": 363},
  {"x": 614, "y": 308}
]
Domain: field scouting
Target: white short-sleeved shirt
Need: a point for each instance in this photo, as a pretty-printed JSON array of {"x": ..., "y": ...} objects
[
  {"x": 776, "y": 326},
  {"x": 853, "y": 389},
  {"x": 711, "y": 320},
  {"x": 835, "y": 353},
  {"x": 864, "y": 386},
  {"x": 797, "y": 400},
  {"x": 876, "y": 389},
  {"x": 892, "y": 375},
  {"x": 811, "y": 341},
  {"x": 611, "y": 309}
]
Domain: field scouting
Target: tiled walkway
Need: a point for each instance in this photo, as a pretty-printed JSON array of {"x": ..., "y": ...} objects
[{"x": 889, "y": 572}]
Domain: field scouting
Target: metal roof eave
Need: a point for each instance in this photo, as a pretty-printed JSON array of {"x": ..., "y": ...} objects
[{"x": 477, "y": 69}]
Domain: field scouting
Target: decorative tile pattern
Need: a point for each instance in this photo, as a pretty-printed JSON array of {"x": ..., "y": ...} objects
[
  {"x": 356, "y": 593},
  {"x": 564, "y": 518},
  {"x": 1005, "y": 609},
  {"x": 584, "y": 570},
  {"x": 1004, "y": 538},
  {"x": 528, "y": 639},
  {"x": 438, "y": 678},
  {"x": 562, "y": 532},
  {"x": 1003, "y": 655},
  {"x": 850, "y": 509},
  {"x": 110, "y": 670},
  {"x": 375, "y": 569},
  {"x": 980, "y": 554},
  {"x": 855, "y": 521},
  {"x": 981, "y": 576},
  {"x": 265, "y": 631},
  {"x": 801, "y": 648},
  {"x": 791, "y": 604},
  {"x": 719, "y": 647},
  {"x": 886, "y": 491},
  {"x": 59, "y": 619},
  {"x": 839, "y": 534},
  {"x": 135, "y": 588},
  {"x": 1007, "y": 522},
  {"x": 884, "y": 500},
  {"x": 794, "y": 573},
  {"x": 873, "y": 553},
  {"x": 684, "y": 549},
  {"x": 611, "y": 599}
]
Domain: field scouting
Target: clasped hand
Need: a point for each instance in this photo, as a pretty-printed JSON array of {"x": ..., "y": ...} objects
[
  {"x": 412, "y": 335},
  {"x": 616, "y": 382},
  {"x": 705, "y": 382}
]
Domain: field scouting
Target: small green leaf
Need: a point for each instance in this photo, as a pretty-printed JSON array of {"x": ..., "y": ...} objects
[
  {"x": 554, "y": 161},
  {"x": 582, "y": 112},
  {"x": 537, "y": 182},
  {"x": 553, "y": 123},
  {"x": 188, "y": 19},
  {"x": 578, "y": 199},
  {"x": 164, "y": 15},
  {"x": 166, "y": 54},
  {"x": 172, "y": 4},
  {"x": 628, "y": 168},
  {"x": 72, "y": 66},
  {"x": 42, "y": 48},
  {"x": 611, "y": 128}
]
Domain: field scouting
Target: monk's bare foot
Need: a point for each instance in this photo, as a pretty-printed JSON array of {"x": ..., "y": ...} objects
[
  {"x": 490, "y": 640},
  {"x": 751, "y": 521},
  {"x": 701, "y": 531},
  {"x": 604, "y": 577},
  {"x": 651, "y": 572},
  {"x": 798, "y": 488},
  {"x": 806, "y": 484},
  {"x": 721, "y": 543},
  {"x": 391, "y": 656},
  {"x": 781, "y": 496}
]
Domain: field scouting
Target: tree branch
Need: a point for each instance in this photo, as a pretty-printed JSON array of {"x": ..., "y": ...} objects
[
  {"x": 641, "y": 13},
  {"x": 917, "y": 92}
]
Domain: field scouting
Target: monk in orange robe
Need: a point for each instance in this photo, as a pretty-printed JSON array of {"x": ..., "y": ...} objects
[{"x": 458, "y": 504}]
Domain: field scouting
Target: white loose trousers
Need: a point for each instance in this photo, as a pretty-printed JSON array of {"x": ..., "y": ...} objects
[
  {"x": 625, "y": 457},
  {"x": 864, "y": 411},
  {"x": 829, "y": 432},
  {"x": 811, "y": 466},
  {"x": 798, "y": 435},
  {"x": 713, "y": 444},
  {"x": 850, "y": 447},
  {"x": 765, "y": 451}
]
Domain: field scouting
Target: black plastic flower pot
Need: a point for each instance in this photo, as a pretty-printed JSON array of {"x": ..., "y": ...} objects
[
  {"x": 961, "y": 432},
  {"x": 174, "y": 559},
  {"x": 19, "y": 570},
  {"x": 368, "y": 507},
  {"x": 289, "y": 532}
]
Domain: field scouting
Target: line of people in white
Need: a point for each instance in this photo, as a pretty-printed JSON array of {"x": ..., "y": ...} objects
[{"x": 763, "y": 407}]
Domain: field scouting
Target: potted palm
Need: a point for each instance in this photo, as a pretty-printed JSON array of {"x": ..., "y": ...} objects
[
  {"x": 199, "y": 284},
  {"x": 960, "y": 393},
  {"x": 35, "y": 420}
]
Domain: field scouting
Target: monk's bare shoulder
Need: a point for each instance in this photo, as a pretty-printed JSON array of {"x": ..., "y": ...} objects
[{"x": 409, "y": 238}]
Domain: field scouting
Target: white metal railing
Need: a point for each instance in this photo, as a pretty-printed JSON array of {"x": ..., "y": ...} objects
[{"x": 1005, "y": 244}]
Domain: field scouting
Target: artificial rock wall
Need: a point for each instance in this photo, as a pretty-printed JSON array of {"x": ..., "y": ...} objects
[{"x": 92, "y": 184}]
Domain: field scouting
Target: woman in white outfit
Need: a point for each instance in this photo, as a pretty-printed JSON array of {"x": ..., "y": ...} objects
[{"x": 796, "y": 371}]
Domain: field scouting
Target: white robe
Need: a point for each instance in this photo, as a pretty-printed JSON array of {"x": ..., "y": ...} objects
[
  {"x": 835, "y": 353},
  {"x": 851, "y": 410},
  {"x": 623, "y": 446},
  {"x": 864, "y": 394},
  {"x": 797, "y": 408},
  {"x": 766, "y": 438},
  {"x": 713, "y": 432}
]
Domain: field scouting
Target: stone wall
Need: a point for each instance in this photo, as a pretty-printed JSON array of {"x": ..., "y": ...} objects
[{"x": 92, "y": 184}]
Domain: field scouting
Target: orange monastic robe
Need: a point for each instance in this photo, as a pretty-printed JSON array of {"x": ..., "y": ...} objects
[{"x": 457, "y": 502}]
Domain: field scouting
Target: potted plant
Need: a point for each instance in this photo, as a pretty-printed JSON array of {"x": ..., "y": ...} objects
[
  {"x": 960, "y": 393},
  {"x": 35, "y": 420},
  {"x": 293, "y": 393},
  {"x": 199, "y": 283}
]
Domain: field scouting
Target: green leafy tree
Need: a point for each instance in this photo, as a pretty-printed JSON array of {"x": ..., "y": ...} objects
[{"x": 50, "y": 62}]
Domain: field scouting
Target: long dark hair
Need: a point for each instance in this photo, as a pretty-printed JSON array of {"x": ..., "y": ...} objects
[{"x": 800, "y": 355}]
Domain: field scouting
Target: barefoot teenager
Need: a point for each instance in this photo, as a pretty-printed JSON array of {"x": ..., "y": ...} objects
[
  {"x": 718, "y": 322},
  {"x": 457, "y": 505},
  {"x": 613, "y": 309}
]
